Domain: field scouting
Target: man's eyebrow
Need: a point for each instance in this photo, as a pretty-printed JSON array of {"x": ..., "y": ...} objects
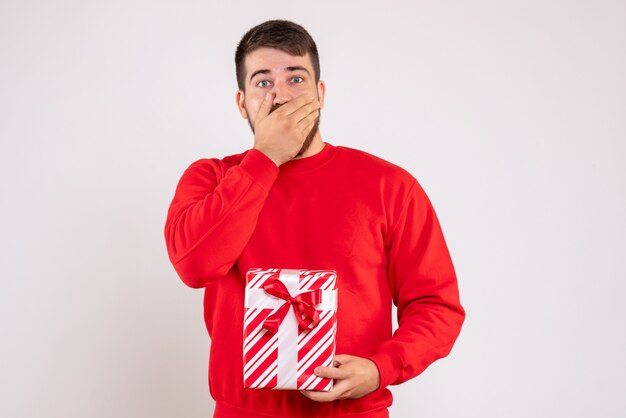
[
  {"x": 257, "y": 72},
  {"x": 297, "y": 68},
  {"x": 290, "y": 69}
]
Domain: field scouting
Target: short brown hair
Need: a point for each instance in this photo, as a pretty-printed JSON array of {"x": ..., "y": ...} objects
[{"x": 280, "y": 34}]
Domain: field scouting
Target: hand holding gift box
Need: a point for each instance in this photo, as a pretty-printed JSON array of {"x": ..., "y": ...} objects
[{"x": 289, "y": 328}]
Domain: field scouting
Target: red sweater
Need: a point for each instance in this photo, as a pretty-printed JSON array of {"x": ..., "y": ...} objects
[{"x": 343, "y": 210}]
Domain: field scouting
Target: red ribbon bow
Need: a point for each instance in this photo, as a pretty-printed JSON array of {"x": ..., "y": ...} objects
[{"x": 303, "y": 306}]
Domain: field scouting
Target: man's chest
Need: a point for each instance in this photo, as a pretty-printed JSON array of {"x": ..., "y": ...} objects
[{"x": 317, "y": 223}]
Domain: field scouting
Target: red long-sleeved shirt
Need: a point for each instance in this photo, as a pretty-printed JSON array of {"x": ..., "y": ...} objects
[{"x": 340, "y": 209}]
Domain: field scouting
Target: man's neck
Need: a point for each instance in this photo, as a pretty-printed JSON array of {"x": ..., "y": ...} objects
[{"x": 316, "y": 146}]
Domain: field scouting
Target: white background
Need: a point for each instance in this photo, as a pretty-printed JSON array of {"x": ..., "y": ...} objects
[{"x": 512, "y": 115}]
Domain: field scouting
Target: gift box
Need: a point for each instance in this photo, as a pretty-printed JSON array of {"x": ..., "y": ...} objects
[{"x": 289, "y": 328}]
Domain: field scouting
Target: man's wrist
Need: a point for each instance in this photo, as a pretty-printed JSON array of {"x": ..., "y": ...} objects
[
  {"x": 274, "y": 159},
  {"x": 260, "y": 167}
]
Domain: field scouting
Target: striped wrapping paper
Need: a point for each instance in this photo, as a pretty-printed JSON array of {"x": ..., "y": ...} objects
[{"x": 286, "y": 358}]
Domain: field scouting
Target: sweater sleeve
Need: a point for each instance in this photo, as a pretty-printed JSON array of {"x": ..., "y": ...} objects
[
  {"x": 213, "y": 215},
  {"x": 424, "y": 288}
]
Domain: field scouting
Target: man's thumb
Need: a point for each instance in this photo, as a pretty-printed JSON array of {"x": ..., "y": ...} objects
[{"x": 266, "y": 106}]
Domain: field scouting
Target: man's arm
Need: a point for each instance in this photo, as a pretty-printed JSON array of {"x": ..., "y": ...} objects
[
  {"x": 212, "y": 217},
  {"x": 424, "y": 288},
  {"x": 214, "y": 214}
]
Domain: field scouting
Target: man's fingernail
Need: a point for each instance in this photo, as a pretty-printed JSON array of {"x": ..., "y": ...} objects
[{"x": 317, "y": 371}]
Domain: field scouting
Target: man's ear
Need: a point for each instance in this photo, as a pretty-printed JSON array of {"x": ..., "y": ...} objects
[
  {"x": 321, "y": 91},
  {"x": 240, "y": 98}
]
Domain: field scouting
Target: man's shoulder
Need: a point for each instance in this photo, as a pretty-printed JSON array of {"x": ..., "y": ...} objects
[
  {"x": 215, "y": 164},
  {"x": 374, "y": 165}
]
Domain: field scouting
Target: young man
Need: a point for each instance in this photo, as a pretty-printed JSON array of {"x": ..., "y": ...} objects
[{"x": 293, "y": 201}]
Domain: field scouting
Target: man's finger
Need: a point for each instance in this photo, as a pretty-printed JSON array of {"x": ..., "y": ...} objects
[
  {"x": 331, "y": 372},
  {"x": 305, "y": 111},
  {"x": 308, "y": 124},
  {"x": 337, "y": 392},
  {"x": 266, "y": 106},
  {"x": 319, "y": 396},
  {"x": 295, "y": 104}
]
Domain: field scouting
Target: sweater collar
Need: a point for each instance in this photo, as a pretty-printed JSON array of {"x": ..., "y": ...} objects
[{"x": 311, "y": 162}]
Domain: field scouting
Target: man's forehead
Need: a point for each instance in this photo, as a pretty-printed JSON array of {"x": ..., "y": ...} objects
[{"x": 273, "y": 59}]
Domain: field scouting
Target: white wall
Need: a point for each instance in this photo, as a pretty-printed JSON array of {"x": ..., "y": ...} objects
[{"x": 512, "y": 114}]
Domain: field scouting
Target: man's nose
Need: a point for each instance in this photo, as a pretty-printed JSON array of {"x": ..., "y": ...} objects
[{"x": 283, "y": 95}]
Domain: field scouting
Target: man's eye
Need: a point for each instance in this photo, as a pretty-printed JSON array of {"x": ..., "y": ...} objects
[
  {"x": 263, "y": 83},
  {"x": 297, "y": 80}
]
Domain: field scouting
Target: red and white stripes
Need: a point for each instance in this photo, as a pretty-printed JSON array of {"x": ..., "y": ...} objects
[{"x": 286, "y": 360}]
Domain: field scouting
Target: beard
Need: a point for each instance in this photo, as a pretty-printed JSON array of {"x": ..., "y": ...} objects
[{"x": 309, "y": 138}]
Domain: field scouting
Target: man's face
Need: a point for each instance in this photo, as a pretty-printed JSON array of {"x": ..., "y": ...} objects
[{"x": 273, "y": 70}]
